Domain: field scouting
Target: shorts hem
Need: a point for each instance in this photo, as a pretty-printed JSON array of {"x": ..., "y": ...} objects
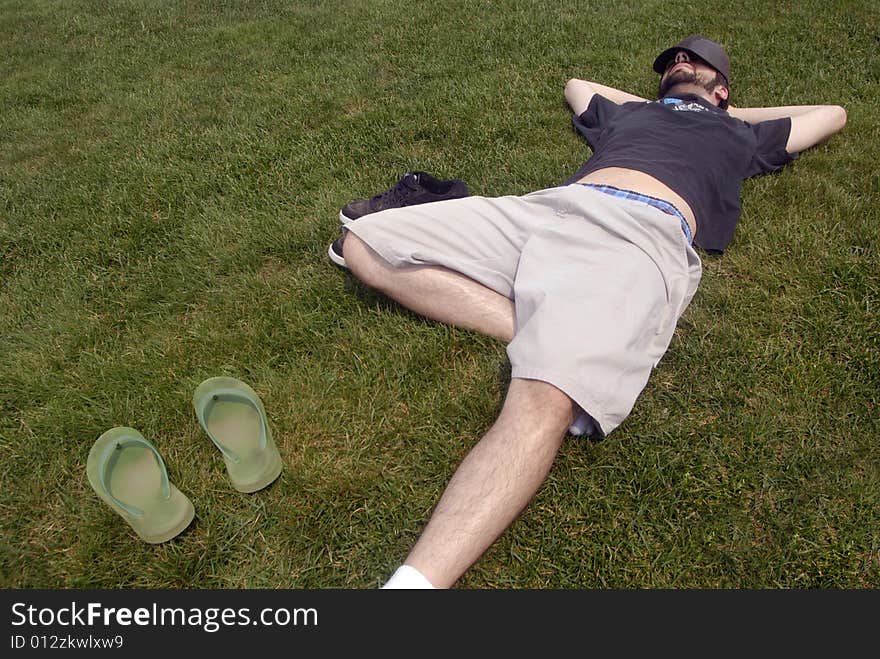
[
  {"x": 389, "y": 257},
  {"x": 573, "y": 390},
  {"x": 427, "y": 257}
]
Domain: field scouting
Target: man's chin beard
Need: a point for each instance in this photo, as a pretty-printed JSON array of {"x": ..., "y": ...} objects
[
  {"x": 682, "y": 77},
  {"x": 677, "y": 78}
]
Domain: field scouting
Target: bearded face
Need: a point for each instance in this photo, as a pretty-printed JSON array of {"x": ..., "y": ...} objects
[{"x": 688, "y": 76}]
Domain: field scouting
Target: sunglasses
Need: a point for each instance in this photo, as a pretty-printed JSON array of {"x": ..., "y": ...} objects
[{"x": 693, "y": 59}]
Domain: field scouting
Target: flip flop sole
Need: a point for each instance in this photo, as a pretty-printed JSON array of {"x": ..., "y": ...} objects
[
  {"x": 232, "y": 415},
  {"x": 128, "y": 474}
]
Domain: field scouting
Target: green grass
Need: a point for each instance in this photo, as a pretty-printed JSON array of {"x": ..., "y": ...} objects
[{"x": 170, "y": 178}]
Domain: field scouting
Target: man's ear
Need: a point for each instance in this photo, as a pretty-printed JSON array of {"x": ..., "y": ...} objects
[{"x": 722, "y": 93}]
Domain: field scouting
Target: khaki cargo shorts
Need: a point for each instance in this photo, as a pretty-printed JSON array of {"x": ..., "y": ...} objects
[{"x": 598, "y": 282}]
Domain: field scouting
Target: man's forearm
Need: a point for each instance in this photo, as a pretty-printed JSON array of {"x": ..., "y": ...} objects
[{"x": 757, "y": 115}]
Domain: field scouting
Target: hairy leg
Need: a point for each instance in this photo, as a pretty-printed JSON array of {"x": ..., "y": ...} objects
[
  {"x": 494, "y": 482},
  {"x": 502, "y": 473},
  {"x": 434, "y": 292}
]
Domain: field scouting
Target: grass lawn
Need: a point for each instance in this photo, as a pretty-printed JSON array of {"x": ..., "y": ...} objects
[{"x": 170, "y": 178}]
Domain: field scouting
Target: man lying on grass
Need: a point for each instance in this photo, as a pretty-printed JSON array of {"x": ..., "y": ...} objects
[{"x": 585, "y": 282}]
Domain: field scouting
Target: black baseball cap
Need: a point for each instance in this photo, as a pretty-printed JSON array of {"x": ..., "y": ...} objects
[{"x": 707, "y": 50}]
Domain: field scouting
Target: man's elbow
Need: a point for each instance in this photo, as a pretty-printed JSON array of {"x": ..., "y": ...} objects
[
  {"x": 578, "y": 94},
  {"x": 572, "y": 86},
  {"x": 837, "y": 117},
  {"x": 814, "y": 127}
]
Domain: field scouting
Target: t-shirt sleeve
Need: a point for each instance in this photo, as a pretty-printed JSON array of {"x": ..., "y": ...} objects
[
  {"x": 592, "y": 121},
  {"x": 770, "y": 153}
]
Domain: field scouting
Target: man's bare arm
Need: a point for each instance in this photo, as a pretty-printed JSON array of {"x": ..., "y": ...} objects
[
  {"x": 579, "y": 93},
  {"x": 810, "y": 124}
]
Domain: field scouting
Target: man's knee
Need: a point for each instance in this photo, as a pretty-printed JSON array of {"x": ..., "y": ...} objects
[{"x": 540, "y": 405}]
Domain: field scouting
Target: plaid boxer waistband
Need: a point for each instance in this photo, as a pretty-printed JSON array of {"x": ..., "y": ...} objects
[{"x": 660, "y": 204}]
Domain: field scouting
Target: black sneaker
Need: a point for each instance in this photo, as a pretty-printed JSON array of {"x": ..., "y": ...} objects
[
  {"x": 335, "y": 251},
  {"x": 413, "y": 188}
]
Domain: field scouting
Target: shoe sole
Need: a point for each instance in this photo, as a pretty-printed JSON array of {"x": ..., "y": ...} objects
[
  {"x": 344, "y": 219},
  {"x": 338, "y": 260}
]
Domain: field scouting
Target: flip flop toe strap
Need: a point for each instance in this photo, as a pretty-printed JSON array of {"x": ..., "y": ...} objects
[
  {"x": 234, "y": 395},
  {"x": 111, "y": 457}
]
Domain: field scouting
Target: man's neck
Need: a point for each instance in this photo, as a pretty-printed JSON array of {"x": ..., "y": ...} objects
[{"x": 692, "y": 89}]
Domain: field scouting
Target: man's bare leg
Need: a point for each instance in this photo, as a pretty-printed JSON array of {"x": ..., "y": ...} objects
[
  {"x": 494, "y": 482},
  {"x": 436, "y": 293},
  {"x": 502, "y": 473}
]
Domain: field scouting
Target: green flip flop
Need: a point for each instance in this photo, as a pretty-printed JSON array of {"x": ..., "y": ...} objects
[
  {"x": 232, "y": 415},
  {"x": 128, "y": 473}
]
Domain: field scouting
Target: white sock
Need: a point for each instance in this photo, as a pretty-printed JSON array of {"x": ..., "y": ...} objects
[{"x": 407, "y": 577}]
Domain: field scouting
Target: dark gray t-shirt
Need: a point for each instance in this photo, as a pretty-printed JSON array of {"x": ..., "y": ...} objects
[{"x": 696, "y": 149}]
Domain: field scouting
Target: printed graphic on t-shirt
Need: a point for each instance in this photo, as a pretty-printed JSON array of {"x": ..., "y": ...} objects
[{"x": 680, "y": 106}]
